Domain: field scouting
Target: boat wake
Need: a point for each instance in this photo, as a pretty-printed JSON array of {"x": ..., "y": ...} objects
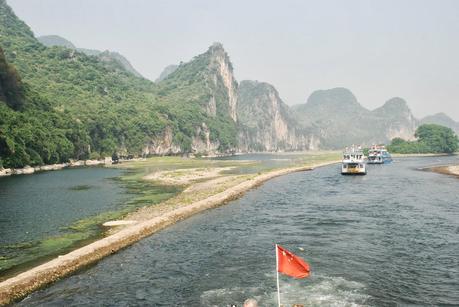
[{"x": 316, "y": 291}]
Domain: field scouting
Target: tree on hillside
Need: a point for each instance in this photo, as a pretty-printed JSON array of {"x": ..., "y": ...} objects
[
  {"x": 438, "y": 138},
  {"x": 11, "y": 90}
]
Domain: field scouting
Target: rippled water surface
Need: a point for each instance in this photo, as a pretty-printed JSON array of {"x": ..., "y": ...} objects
[{"x": 385, "y": 239}]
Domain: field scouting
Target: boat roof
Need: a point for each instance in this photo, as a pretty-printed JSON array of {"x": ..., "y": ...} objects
[{"x": 353, "y": 150}]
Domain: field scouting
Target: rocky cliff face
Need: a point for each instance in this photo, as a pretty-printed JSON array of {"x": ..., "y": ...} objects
[
  {"x": 223, "y": 81},
  {"x": 162, "y": 144},
  {"x": 202, "y": 143},
  {"x": 266, "y": 123}
]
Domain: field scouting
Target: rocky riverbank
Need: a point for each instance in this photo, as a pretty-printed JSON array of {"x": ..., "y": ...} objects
[
  {"x": 142, "y": 223},
  {"x": 54, "y": 167}
]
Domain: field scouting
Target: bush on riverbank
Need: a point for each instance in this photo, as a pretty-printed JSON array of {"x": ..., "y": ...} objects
[{"x": 431, "y": 138}]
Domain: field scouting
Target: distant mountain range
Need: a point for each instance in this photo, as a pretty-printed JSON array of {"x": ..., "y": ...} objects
[
  {"x": 341, "y": 119},
  {"x": 76, "y": 103},
  {"x": 109, "y": 57}
]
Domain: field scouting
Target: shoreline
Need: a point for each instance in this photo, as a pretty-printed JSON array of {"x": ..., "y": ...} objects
[
  {"x": 19, "y": 286},
  {"x": 28, "y": 170}
]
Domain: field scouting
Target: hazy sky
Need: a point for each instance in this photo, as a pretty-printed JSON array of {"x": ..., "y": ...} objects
[{"x": 377, "y": 49}]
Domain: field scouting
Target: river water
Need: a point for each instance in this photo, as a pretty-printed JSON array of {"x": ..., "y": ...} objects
[
  {"x": 389, "y": 238},
  {"x": 37, "y": 207}
]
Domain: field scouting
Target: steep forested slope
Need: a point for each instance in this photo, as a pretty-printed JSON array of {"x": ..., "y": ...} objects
[{"x": 31, "y": 131}]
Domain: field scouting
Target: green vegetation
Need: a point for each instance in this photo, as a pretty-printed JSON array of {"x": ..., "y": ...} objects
[
  {"x": 70, "y": 105},
  {"x": 431, "y": 138},
  {"x": 31, "y": 132}
]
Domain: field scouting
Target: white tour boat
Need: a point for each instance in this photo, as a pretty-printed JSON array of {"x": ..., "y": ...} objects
[
  {"x": 377, "y": 154},
  {"x": 353, "y": 161}
]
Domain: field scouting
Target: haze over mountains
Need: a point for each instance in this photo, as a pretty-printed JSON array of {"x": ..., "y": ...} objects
[{"x": 83, "y": 106}]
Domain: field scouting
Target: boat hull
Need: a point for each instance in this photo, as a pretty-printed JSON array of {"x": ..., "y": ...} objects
[
  {"x": 383, "y": 161},
  {"x": 353, "y": 169},
  {"x": 354, "y": 174}
]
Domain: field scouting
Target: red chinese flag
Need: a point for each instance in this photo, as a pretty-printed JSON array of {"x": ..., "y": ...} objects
[{"x": 290, "y": 264}]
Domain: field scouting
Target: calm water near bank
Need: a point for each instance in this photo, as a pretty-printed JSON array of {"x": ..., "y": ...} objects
[
  {"x": 385, "y": 239},
  {"x": 35, "y": 206},
  {"x": 36, "y": 210}
]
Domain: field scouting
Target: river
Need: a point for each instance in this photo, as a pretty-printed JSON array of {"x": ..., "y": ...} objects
[{"x": 389, "y": 238}]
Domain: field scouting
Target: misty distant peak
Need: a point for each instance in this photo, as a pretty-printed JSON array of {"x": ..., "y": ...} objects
[
  {"x": 395, "y": 105},
  {"x": 440, "y": 115},
  {"x": 55, "y": 40},
  {"x": 395, "y": 102},
  {"x": 338, "y": 96}
]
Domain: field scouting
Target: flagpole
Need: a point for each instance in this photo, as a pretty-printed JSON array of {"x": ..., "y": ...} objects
[{"x": 277, "y": 275}]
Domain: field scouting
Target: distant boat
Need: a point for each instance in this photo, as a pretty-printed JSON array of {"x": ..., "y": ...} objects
[
  {"x": 353, "y": 161},
  {"x": 378, "y": 155}
]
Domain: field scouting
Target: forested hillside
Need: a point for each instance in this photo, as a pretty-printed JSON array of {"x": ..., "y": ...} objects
[
  {"x": 31, "y": 131},
  {"x": 113, "y": 110}
]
